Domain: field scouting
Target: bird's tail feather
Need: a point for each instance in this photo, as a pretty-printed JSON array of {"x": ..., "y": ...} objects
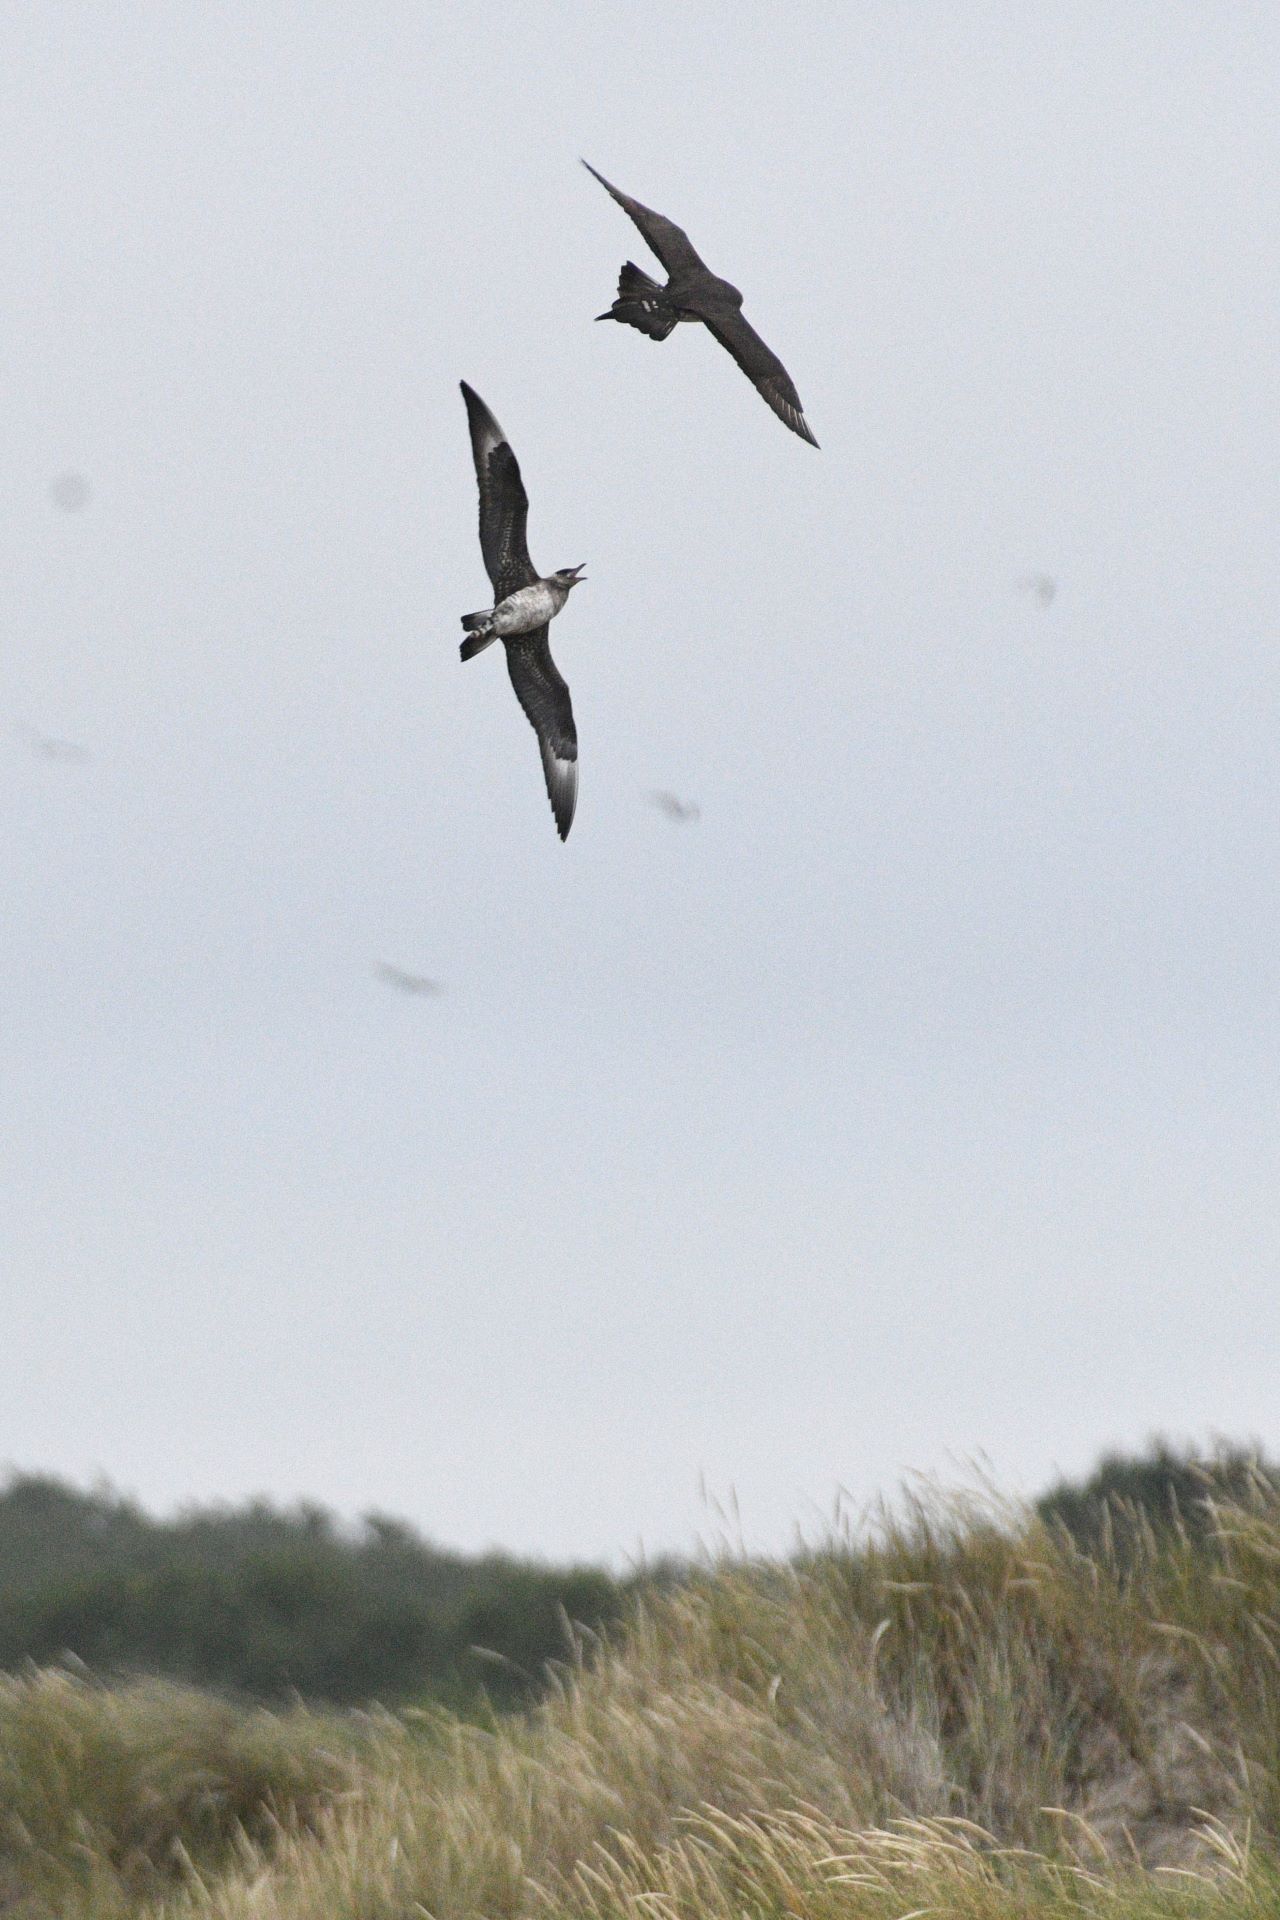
[
  {"x": 476, "y": 643},
  {"x": 476, "y": 622},
  {"x": 641, "y": 303},
  {"x": 634, "y": 283}
]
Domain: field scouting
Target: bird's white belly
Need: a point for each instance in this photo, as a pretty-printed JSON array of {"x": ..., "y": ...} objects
[{"x": 526, "y": 609}]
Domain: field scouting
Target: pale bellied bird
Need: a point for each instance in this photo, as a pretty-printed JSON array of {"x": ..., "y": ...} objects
[
  {"x": 693, "y": 292},
  {"x": 525, "y": 603}
]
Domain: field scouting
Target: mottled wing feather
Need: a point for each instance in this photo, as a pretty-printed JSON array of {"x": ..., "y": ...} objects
[
  {"x": 545, "y": 698},
  {"x": 504, "y": 504},
  {"x": 670, "y": 242},
  {"x": 761, "y": 366}
]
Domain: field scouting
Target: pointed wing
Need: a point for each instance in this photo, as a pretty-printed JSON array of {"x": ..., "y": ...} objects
[
  {"x": 504, "y": 504},
  {"x": 545, "y": 698},
  {"x": 761, "y": 365},
  {"x": 670, "y": 242}
]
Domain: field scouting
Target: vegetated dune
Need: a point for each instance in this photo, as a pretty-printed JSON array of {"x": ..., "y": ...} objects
[{"x": 963, "y": 1714}]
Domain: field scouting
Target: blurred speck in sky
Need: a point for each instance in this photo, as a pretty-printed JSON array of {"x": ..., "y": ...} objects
[
  {"x": 678, "y": 810},
  {"x": 1042, "y": 587},
  {"x": 414, "y": 983},
  {"x": 45, "y": 747},
  {"x": 70, "y": 492}
]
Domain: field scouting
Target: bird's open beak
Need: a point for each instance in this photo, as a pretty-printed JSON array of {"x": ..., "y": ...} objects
[{"x": 578, "y": 575}]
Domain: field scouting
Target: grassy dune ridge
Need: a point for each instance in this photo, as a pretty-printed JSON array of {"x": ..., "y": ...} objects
[{"x": 965, "y": 1714}]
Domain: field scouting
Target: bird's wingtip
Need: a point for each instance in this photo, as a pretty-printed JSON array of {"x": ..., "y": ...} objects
[
  {"x": 562, "y": 790},
  {"x": 563, "y": 807}
]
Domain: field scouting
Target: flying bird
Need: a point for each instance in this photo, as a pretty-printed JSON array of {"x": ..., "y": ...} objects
[
  {"x": 524, "y": 605},
  {"x": 693, "y": 292},
  {"x": 681, "y": 811}
]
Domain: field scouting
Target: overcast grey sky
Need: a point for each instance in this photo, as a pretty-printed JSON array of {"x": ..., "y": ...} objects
[{"x": 922, "y": 1099}]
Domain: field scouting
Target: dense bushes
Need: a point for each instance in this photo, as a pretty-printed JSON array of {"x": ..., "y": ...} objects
[
  {"x": 270, "y": 1603},
  {"x": 1165, "y": 1487}
]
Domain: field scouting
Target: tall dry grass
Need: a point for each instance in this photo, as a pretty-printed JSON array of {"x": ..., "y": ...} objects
[{"x": 962, "y": 1713}]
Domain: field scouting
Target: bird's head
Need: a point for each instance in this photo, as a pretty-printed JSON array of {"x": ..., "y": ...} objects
[{"x": 567, "y": 577}]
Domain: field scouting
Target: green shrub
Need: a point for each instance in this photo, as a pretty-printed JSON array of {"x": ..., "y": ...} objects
[{"x": 274, "y": 1604}]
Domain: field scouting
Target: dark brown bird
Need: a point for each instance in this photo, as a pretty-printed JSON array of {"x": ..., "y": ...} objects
[
  {"x": 524, "y": 606},
  {"x": 693, "y": 292}
]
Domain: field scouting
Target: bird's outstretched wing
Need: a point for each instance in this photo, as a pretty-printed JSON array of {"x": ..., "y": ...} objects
[
  {"x": 545, "y": 698},
  {"x": 761, "y": 365},
  {"x": 670, "y": 242},
  {"x": 504, "y": 504}
]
